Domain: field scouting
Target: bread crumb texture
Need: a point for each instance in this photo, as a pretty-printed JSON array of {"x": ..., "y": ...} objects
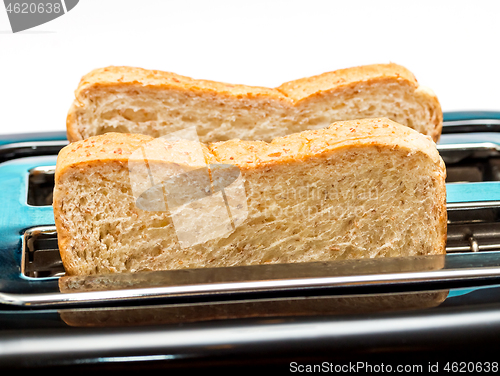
[{"x": 357, "y": 189}]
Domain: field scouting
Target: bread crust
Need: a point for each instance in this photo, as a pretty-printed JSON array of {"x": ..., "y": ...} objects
[
  {"x": 303, "y": 88},
  {"x": 291, "y": 94},
  {"x": 254, "y": 155},
  {"x": 380, "y": 132}
]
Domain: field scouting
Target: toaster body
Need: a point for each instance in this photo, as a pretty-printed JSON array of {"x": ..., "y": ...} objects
[{"x": 437, "y": 308}]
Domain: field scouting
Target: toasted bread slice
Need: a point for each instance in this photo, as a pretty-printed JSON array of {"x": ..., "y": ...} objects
[
  {"x": 155, "y": 103},
  {"x": 357, "y": 189}
]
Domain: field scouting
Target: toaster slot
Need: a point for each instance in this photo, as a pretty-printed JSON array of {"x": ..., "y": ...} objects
[
  {"x": 41, "y": 185},
  {"x": 470, "y": 149},
  {"x": 469, "y": 163},
  {"x": 473, "y": 228},
  {"x": 30, "y": 149},
  {"x": 470, "y": 126},
  {"x": 41, "y": 257},
  {"x": 472, "y": 170}
]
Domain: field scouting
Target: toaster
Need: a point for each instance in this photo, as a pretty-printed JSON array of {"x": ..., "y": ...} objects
[{"x": 429, "y": 311}]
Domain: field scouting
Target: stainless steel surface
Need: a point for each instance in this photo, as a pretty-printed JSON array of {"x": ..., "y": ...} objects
[
  {"x": 405, "y": 274},
  {"x": 41, "y": 258},
  {"x": 30, "y": 148},
  {"x": 471, "y": 125},
  {"x": 48, "y": 170},
  {"x": 454, "y": 153}
]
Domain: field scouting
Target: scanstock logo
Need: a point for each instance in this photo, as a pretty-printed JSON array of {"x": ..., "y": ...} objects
[
  {"x": 27, "y": 14},
  {"x": 205, "y": 201}
]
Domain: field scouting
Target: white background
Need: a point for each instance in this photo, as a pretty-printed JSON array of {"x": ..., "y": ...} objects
[{"x": 451, "y": 46}]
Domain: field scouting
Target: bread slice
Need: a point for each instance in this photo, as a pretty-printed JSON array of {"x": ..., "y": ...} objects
[
  {"x": 155, "y": 103},
  {"x": 357, "y": 189}
]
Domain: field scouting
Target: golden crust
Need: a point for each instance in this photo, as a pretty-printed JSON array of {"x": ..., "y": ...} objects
[
  {"x": 250, "y": 154},
  {"x": 103, "y": 148},
  {"x": 300, "y": 89},
  {"x": 300, "y": 146},
  {"x": 155, "y": 79},
  {"x": 290, "y": 94}
]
